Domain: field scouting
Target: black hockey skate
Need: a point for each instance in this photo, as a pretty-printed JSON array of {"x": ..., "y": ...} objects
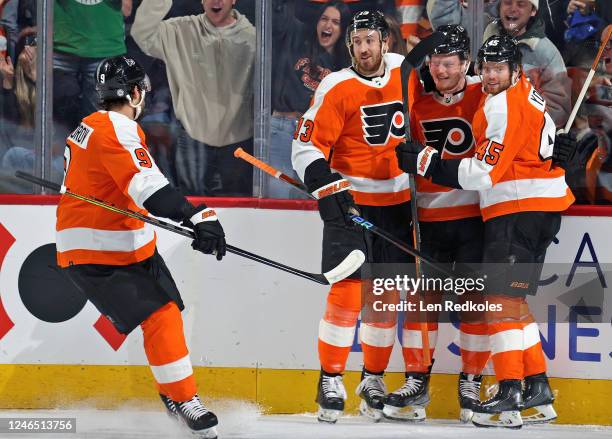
[
  {"x": 469, "y": 395},
  {"x": 372, "y": 391},
  {"x": 200, "y": 421},
  {"x": 409, "y": 401},
  {"x": 331, "y": 395},
  {"x": 503, "y": 409},
  {"x": 538, "y": 396},
  {"x": 170, "y": 407}
]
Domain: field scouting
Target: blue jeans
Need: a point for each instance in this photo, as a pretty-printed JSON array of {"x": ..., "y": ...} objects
[
  {"x": 212, "y": 171},
  {"x": 74, "y": 87},
  {"x": 279, "y": 156},
  {"x": 19, "y": 158}
]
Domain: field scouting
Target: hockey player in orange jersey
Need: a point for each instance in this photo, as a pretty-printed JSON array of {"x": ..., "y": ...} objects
[
  {"x": 112, "y": 258},
  {"x": 442, "y": 102},
  {"x": 344, "y": 151},
  {"x": 521, "y": 196}
]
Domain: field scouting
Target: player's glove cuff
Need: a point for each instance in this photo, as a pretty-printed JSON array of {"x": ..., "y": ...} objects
[
  {"x": 203, "y": 214},
  {"x": 336, "y": 203},
  {"x": 414, "y": 158},
  {"x": 209, "y": 235},
  {"x": 333, "y": 184}
]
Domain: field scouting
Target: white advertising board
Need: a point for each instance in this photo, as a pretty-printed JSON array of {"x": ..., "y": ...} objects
[{"x": 243, "y": 314}]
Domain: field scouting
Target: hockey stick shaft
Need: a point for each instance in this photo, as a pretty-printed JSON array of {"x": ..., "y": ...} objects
[
  {"x": 415, "y": 57},
  {"x": 605, "y": 38},
  {"x": 240, "y": 153},
  {"x": 268, "y": 169},
  {"x": 318, "y": 278}
]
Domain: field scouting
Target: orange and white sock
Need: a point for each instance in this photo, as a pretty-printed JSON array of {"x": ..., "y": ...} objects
[
  {"x": 412, "y": 345},
  {"x": 474, "y": 346},
  {"x": 166, "y": 350},
  {"x": 506, "y": 341},
  {"x": 337, "y": 327},
  {"x": 377, "y": 341},
  {"x": 533, "y": 355}
]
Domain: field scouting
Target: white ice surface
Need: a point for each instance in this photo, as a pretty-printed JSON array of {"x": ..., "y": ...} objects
[{"x": 239, "y": 420}]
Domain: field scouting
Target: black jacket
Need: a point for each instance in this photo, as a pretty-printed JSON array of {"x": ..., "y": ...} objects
[{"x": 294, "y": 77}]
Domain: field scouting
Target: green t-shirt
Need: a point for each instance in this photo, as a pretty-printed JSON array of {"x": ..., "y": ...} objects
[{"x": 89, "y": 28}]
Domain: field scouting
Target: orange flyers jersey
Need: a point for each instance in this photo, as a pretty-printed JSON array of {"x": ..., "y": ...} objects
[
  {"x": 511, "y": 167},
  {"x": 355, "y": 124},
  {"x": 106, "y": 158},
  {"x": 446, "y": 126}
]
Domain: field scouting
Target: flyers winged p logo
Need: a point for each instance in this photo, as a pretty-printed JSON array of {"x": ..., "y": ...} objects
[
  {"x": 449, "y": 135},
  {"x": 381, "y": 121}
]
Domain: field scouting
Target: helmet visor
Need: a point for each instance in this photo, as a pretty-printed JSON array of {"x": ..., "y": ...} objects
[{"x": 144, "y": 84}]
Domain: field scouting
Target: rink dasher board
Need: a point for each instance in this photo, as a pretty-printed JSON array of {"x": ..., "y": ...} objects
[
  {"x": 243, "y": 314},
  {"x": 245, "y": 319}
]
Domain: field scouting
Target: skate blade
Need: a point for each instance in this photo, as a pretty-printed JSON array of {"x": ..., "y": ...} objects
[
  {"x": 465, "y": 415},
  {"x": 207, "y": 433},
  {"x": 329, "y": 416},
  {"x": 511, "y": 419},
  {"x": 541, "y": 414},
  {"x": 370, "y": 412},
  {"x": 412, "y": 413}
]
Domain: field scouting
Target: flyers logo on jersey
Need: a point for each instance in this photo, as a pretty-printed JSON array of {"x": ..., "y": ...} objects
[
  {"x": 381, "y": 121},
  {"x": 451, "y": 135}
]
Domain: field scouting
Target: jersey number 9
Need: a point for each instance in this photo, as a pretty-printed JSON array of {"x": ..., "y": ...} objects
[{"x": 143, "y": 157}]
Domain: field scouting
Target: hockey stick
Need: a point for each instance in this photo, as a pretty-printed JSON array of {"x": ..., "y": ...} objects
[
  {"x": 241, "y": 153},
  {"x": 347, "y": 267},
  {"x": 605, "y": 38},
  {"x": 412, "y": 60}
]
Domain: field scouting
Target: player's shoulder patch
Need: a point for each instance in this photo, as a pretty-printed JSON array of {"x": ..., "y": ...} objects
[{"x": 80, "y": 136}]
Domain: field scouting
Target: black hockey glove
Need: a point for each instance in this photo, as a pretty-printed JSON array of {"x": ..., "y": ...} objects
[
  {"x": 210, "y": 238},
  {"x": 334, "y": 200},
  {"x": 415, "y": 158},
  {"x": 564, "y": 150}
]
